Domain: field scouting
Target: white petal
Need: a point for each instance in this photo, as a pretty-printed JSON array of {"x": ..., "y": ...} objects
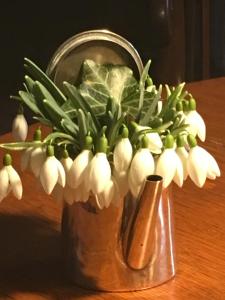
[
  {"x": 142, "y": 165},
  {"x": 77, "y": 170},
  {"x": 15, "y": 182},
  {"x": 19, "y": 128},
  {"x": 61, "y": 173},
  {"x": 201, "y": 128},
  {"x": 25, "y": 158},
  {"x": 4, "y": 183},
  {"x": 166, "y": 166},
  {"x": 122, "y": 182},
  {"x": 197, "y": 124},
  {"x": 179, "y": 174},
  {"x": 67, "y": 164},
  {"x": 69, "y": 194},
  {"x": 183, "y": 155},
  {"x": 49, "y": 174},
  {"x": 213, "y": 168},
  {"x": 197, "y": 165},
  {"x": 100, "y": 201},
  {"x": 99, "y": 173},
  {"x": 154, "y": 142},
  {"x": 122, "y": 155},
  {"x": 37, "y": 159},
  {"x": 108, "y": 193}
]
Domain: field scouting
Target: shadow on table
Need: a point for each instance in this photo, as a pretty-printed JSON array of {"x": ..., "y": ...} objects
[{"x": 30, "y": 259}]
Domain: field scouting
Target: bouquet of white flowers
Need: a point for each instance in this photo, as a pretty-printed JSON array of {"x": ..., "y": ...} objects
[{"x": 109, "y": 132}]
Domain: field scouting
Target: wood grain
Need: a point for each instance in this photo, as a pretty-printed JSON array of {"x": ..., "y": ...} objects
[{"x": 30, "y": 264}]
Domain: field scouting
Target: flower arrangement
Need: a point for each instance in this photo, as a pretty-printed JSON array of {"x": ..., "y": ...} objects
[{"x": 109, "y": 132}]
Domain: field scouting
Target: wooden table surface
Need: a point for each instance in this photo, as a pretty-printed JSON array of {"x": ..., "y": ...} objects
[{"x": 30, "y": 264}]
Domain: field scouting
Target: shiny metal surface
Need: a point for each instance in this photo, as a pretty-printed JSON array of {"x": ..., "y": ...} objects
[
  {"x": 141, "y": 238},
  {"x": 102, "y": 46},
  {"x": 94, "y": 239}
]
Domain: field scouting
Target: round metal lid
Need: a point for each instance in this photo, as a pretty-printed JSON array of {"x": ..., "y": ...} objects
[{"x": 102, "y": 46}]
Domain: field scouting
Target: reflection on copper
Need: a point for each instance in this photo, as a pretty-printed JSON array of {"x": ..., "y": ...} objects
[{"x": 102, "y": 248}]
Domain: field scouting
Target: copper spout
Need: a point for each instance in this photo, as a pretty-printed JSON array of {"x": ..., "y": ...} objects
[{"x": 140, "y": 242}]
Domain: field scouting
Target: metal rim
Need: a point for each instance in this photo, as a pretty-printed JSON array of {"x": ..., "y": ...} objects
[{"x": 86, "y": 36}]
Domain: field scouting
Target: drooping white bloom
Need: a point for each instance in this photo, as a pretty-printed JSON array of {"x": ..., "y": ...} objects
[
  {"x": 64, "y": 193},
  {"x": 99, "y": 173},
  {"x": 195, "y": 121},
  {"x": 10, "y": 180},
  {"x": 154, "y": 141},
  {"x": 183, "y": 155},
  {"x": 78, "y": 168},
  {"x": 201, "y": 164},
  {"x": 196, "y": 124},
  {"x": 169, "y": 165},
  {"x": 122, "y": 155},
  {"x": 142, "y": 165},
  {"x": 109, "y": 195},
  {"x": 121, "y": 179},
  {"x": 37, "y": 158},
  {"x": 52, "y": 172},
  {"x": 19, "y": 128}
]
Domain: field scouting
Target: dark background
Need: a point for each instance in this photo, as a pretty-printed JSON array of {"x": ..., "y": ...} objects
[{"x": 184, "y": 38}]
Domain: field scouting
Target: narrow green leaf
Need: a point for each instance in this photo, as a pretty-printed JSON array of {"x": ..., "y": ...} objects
[
  {"x": 18, "y": 146},
  {"x": 39, "y": 75},
  {"x": 29, "y": 100},
  {"x": 58, "y": 135},
  {"x": 82, "y": 126},
  {"x": 43, "y": 121},
  {"x": 145, "y": 120},
  {"x": 143, "y": 79},
  {"x": 114, "y": 131},
  {"x": 29, "y": 83}
]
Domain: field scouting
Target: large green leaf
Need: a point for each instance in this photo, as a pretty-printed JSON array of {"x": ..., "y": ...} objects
[{"x": 102, "y": 82}]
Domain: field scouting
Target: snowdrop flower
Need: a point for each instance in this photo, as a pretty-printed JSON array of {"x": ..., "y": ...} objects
[
  {"x": 60, "y": 193},
  {"x": 123, "y": 152},
  {"x": 9, "y": 179},
  {"x": 183, "y": 154},
  {"x": 34, "y": 157},
  {"x": 20, "y": 127},
  {"x": 142, "y": 165},
  {"x": 99, "y": 171},
  {"x": 195, "y": 121},
  {"x": 52, "y": 172},
  {"x": 109, "y": 194},
  {"x": 121, "y": 179},
  {"x": 169, "y": 165},
  {"x": 76, "y": 174},
  {"x": 201, "y": 164},
  {"x": 154, "y": 140}
]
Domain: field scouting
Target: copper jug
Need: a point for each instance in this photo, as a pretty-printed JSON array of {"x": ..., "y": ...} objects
[{"x": 125, "y": 248}]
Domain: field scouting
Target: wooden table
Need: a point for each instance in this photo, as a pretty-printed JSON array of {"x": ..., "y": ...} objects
[{"x": 30, "y": 264}]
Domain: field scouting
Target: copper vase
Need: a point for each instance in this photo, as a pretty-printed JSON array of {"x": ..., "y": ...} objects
[{"x": 125, "y": 248}]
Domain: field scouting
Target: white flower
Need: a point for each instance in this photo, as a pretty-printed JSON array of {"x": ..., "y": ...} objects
[
  {"x": 121, "y": 179},
  {"x": 183, "y": 155},
  {"x": 201, "y": 165},
  {"x": 142, "y": 165},
  {"x": 169, "y": 165},
  {"x": 99, "y": 173},
  {"x": 33, "y": 158},
  {"x": 37, "y": 158},
  {"x": 19, "y": 128},
  {"x": 52, "y": 172},
  {"x": 154, "y": 141},
  {"x": 196, "y": 124},
  {"x": 10, "y": 180},
  {"x": 76, "y": 173},
  {"x": 122, "y": 155},
  {"x": 109, "y": 195}
]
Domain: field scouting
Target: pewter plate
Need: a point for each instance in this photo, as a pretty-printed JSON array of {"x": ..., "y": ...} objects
[{"x": 102, "y": 46}]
